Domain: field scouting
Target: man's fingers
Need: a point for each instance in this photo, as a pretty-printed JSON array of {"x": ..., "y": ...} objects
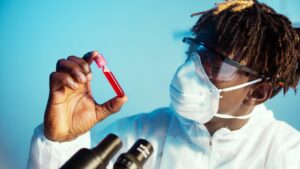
[
  {"x": 58, "y": 80},
  {"x": 81, "y": 62},
  {"x": 111, "y": 106},
  {"x": 71, "y": 68},
  {"x": 90, "y": 56}
]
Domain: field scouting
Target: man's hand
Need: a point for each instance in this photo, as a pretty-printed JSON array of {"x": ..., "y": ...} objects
[{"x": 71, "y": 109}]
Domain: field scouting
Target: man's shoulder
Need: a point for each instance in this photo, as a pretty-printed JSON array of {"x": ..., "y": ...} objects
[
  {"x": 284, "y": 144},
  {"x": 283, "y": 132},
  {"x": 272, "y": 130},
  {"x": 264, "y": 120},
  {"x": 278, "y": 129},
  {"x": 279, "y": 138}
]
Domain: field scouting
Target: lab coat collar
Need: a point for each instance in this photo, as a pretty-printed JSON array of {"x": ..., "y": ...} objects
[{"x": 199, "y": 135}]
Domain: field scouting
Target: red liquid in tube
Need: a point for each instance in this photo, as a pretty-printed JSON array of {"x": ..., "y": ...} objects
[
  {"x": 100, "y": 61},
  {"x": 113, "y": 82}
]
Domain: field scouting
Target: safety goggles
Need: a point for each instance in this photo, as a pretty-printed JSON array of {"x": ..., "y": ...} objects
[{"x": 216, "y": 65}]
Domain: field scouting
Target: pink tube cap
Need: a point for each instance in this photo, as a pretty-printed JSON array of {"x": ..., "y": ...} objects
[{"x": 100, "y": 61}]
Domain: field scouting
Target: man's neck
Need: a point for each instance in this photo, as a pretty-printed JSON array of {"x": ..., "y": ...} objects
[{"x": 232, "y": 124}]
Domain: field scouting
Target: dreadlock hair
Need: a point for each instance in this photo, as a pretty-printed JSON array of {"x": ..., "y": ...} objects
[{"x": 264, "y": 39}]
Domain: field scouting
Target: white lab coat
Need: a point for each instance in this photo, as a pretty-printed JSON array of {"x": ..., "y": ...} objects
[{"x": 263, "y": 143}]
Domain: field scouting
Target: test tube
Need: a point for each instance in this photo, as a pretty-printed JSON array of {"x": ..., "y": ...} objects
[{"x": 101, "y": 63}]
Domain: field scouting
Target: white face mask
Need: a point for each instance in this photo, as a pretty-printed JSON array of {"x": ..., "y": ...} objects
[{"x": 194, "y": 96}]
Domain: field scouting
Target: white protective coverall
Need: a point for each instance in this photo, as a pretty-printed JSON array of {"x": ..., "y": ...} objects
[{"x": 263, "y": 143}]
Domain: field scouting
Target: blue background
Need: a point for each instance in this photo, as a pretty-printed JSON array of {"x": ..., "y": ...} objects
[{"x": 140, "y": 39}]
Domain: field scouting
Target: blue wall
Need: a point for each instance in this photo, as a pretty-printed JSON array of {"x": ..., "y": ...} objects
[{"x": 140, "y": 39}]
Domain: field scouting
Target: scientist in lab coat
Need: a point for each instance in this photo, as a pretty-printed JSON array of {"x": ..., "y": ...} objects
[{"x": 242, "y": 54}]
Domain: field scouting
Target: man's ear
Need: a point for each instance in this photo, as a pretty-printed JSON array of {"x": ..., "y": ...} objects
[{"x": 259, "y": 93}]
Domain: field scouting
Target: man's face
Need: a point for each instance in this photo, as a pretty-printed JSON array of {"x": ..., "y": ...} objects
[{"x": 232, "y": 102}]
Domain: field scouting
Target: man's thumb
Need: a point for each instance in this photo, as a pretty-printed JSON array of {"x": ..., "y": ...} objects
[{"x": 111, "y": 106}]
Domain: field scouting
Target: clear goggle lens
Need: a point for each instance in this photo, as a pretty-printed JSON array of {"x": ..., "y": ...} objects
[{"x": 214, "y": 65}]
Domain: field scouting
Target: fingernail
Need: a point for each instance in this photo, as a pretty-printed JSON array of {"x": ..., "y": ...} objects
[
  {"x": 89, "y": 76},
  {"x": 124, "y": 98},
  {"x": 82, "y": 78},
  {"x": 91, "y": 53},
  {"x": 74, "y": 85},
  {"x": 95, "y": 52}
]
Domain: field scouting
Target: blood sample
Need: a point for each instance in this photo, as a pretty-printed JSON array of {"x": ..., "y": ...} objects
[{"x": 100, "y": 61}]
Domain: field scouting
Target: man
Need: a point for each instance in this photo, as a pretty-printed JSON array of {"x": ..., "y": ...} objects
[{"x": 243, "y": 54}]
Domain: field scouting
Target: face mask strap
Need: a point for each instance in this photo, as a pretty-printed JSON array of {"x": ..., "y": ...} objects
[
  {"x": 240, "y": 86},
  {"x": 226, "y": 116}
]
